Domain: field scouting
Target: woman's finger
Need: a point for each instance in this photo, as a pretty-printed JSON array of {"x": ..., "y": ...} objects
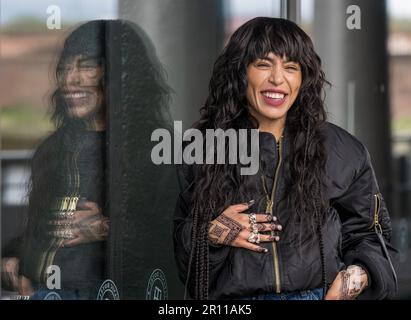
[
  {"x": 268, "y": 238},
  {"x": 72, "y": 242},
  {"x": 239, "y": 207},
  {"x": 259, "y": 217},
  {"x": 245, "y": 234},
  {"x": 88, "y": 206},
  {"x": 262, "y": 237},
  {"x": 76, "y": 239},
  {"x": 262, "y": 227},
  {"x": 60, "y": 222},
  {"x": 82, "y": 214},
  {"x": 264, "y": 217},
  {"x": 253, "y": 247}
]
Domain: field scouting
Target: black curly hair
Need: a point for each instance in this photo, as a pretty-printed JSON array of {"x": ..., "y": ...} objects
[{"x": 227, "y": 107}]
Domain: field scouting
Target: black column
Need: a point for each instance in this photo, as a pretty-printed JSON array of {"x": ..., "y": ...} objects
[{"x": 356, "y": 62}]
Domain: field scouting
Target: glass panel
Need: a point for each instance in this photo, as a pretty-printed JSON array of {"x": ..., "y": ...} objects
[
  {"x": 370, "y": 95},
  {"x": 32, "y": 35}
]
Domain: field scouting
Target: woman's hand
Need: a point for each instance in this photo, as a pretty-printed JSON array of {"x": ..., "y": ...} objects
[
  {"x": 85, "y": 225},
  {"x": 88, "y": 225},
  {"x": 233, "y": 228},
  {"x": 9, "y": 273},
  {"x": 348, "y": 284}
]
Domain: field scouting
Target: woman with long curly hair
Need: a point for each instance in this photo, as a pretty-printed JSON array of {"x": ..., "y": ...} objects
[{"x": 311, "y": 223}]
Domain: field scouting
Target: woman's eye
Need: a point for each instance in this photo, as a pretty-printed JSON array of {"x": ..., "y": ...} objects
[
  {"x": 90, "y": 64},
  {"x": 262, "y": 64},
  {"x": 88, "y": 67},
  {"x": 294, "y": 68},
  {"x": 64, "y": 68}
]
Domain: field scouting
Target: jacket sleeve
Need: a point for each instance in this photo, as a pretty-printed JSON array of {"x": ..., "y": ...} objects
[
  {"x": 362, "y": 209},
  {"x": 182, "y": 233}
]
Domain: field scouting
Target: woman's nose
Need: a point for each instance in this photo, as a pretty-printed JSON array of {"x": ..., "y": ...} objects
[
  {"x": 73, "y": 77},
  {"x": 276, "y": 76}
]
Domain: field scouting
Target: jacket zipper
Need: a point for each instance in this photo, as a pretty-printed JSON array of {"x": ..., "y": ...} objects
[
  {"x": 377, "y": 206},
  {"x": 269, "y": 209}
]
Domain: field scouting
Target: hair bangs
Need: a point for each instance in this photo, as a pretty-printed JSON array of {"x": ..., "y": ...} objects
[{"x": 274, "y": 38}]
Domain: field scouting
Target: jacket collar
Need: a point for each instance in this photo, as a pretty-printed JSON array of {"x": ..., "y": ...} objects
[{"x": 268, "y": 151}]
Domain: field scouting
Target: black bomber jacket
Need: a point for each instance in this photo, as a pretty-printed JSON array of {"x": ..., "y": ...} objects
[{"x": 349, "y": 233}]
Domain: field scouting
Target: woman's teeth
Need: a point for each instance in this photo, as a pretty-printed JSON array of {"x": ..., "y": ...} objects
[
  {"x": 75, "y": 95},
  {"x": 274, "y": 95}
]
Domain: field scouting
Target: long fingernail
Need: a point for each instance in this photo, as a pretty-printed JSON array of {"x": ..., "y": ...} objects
[
  {"x": 277, "y": 238},
  {"x": 274, "y": 218},
  {"x": 250, "y": 203},
  {"x": 264, "y": 250},
  {"x": 279, "y": 227}
]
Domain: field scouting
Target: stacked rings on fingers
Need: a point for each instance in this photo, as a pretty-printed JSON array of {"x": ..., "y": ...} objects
[
  {"x": 254, "y": 235},
  {"x": 254, "y": 228},
  {"x": 253, "y": 222},
  {"x": 253, "y": 218},
  {"x": 254, "y": 238}
]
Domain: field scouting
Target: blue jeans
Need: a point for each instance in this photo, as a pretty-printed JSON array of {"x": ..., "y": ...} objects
[{"x": 312, "y": 294}]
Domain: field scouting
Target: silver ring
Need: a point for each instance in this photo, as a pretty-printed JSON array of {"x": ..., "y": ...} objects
[
  {"x": 60, "y": 214},
  {"x": 254, "y": 238},
  {"x": 253, "y": 218},
  {"x": 68, "y": 233},
  {"x": 63, "y": 233},
  {"x": 254, "y": 228},
  {"x": 251, "y": 237}
]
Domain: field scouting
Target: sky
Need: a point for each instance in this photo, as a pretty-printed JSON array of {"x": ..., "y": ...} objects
[{"x": 79, "y": 10}]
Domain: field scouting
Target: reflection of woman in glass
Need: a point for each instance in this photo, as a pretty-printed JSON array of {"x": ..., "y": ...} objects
[
  {"x": 67, "y": 224},
  {"x": 105, "y": 67},
  {"x": 316, "y": 224}
]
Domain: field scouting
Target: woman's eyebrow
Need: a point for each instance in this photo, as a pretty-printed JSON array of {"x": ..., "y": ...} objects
[
  {"x": 288, "y": 60},
  {"x": 285, "y": 60},
  {"x": 266, "y": 58}
]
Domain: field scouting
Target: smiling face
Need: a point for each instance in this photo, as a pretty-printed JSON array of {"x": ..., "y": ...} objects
[
  {"x": 80, "y": 84},
  {"x": 273, "y": 86}
]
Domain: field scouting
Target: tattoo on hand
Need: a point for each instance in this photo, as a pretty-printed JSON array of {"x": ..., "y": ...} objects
[
  {"x": 225, "y": 232},
  {"x": 94, "y": 229},
  {"x": 354, "y": 280}
]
